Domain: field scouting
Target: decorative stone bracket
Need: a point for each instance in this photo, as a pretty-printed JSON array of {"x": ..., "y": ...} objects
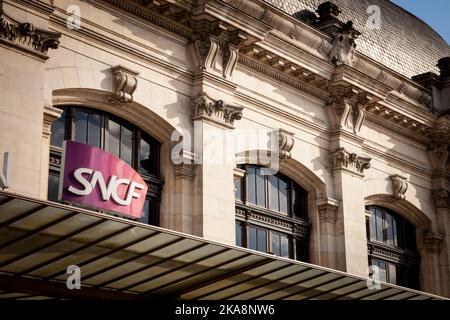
[
  {"x": 348, "y": 103},
  {"x": 124, "y": 83},
  {"x": 440, "y": 143},
  {"x": 441, "y": 198},
  {"x": 26, "y": 37},
  {"x": 341, "y": 159},
  {"x": 205, "y": 107},
  {"x": 399, "y": 186},
  {"x": 285, "y": 143},
  {"x": 50, "y": 115},
  {"x": 212, "y": 40},
  {"x": 237, "y": 174}
]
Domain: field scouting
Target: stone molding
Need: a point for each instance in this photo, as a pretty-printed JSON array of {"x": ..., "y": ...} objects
[
  {"x": 124, "y": 84},
  {"x": 26, "y": 37},
  {"x": 347, "y": 102},
  {"x": 50, "y": 115},
  {"x": 218, "y": 111},
  {"x": 328, "y": 211},
  {"x": 433, "y": 241},
  {"x": 341, "y": 159},
  {"x": 399, "y": 186},
  {"x": 441, "y": 198}
]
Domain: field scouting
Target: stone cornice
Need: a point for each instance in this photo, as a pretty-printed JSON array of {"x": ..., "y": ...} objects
[
  {"x": 328, "y": 210},
  {"x": 26, "y": 37}
]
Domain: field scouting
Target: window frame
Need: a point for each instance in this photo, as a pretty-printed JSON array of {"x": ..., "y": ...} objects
[
  {"x": 153, "y": 180},
  {"x": 401, "y": 253},
  {"x": 295, "y": 227}
]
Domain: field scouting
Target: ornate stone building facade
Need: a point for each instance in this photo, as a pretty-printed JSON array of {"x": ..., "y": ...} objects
[{"x": 362, "y": 117}]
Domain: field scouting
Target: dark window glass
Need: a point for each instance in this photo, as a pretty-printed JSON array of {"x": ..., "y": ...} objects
[
  {"x": 280, "y": 245},
  {"x": 251, "y": 183},
  {"x": 58, "y": 131},
  {"x": 94, "y": 130},
  {"x": 81, "y": 126},
  {"x": 299, "y": 202},
  {"x": 276, "y": 247}
]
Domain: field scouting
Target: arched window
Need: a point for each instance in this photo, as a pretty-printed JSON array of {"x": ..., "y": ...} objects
[
  {"x": 115, "y": 135},
  {"x": 272, "y": 214},
  {"x": 392, "y": 247}
]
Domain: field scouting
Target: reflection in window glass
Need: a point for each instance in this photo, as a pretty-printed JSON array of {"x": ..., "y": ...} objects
[
  {"x": 273, "y": 191},
  {"x": 252, "y": 241},
  {"x": 239, "y": 241},
  {"x": 94, "y": 130},
  {"x": 260, "y": 190},
  {"x": 145, "y": 154},
  {"x": 283, "y": 195},
  {"x": 238, "y": 193},
  {"x": 388, "y": 222},
  {"x": 372, "y": 227},
  {"x": 379, "y": 224},
  {"x": 284, "y": 247},
  {"x": 112, "y": 138},
  {"x": 80, "y": 126},
  {"x": 53, "y": 185},
  {"x": 251, "y": 182},
  {"x": 145, "y": 217},
  {"x": 58, "y": 131},
  {"x": 262, "y": 240},
  {"x": 276, "y": 250},
  {"x": 126, "y": 144}
]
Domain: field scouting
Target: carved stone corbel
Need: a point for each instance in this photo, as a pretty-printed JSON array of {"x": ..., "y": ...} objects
[
  {"x": 341, "y": 159},
  {"x": 218, "y": 111},
  {"x": 441, "y": 198},
  {"x": 26, "y": 37},
  {"x": 124, "y": 84},
  {"x": 440, "y": 141},
  {"x": 359, "y": 110},
  {"x": 231, "y": 53},
  {"x": 399, "y": 186},
  {"x": 285, "y": 143},
  {"x": 340, "y": 103}
]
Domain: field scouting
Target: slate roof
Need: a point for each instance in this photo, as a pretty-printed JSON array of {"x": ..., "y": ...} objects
[{"x": 404, "y": 43}]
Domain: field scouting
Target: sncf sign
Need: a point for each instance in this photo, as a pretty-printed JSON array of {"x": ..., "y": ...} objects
[{"x": 95, "y": 178}]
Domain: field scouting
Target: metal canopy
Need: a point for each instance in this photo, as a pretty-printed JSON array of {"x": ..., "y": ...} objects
[{"x": 123, "y": 259}]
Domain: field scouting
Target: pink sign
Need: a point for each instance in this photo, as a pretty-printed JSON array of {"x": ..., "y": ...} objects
[{"x": 95, "y": 178}]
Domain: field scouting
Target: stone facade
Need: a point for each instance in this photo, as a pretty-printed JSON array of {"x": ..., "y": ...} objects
[{"x": 353, "y": 131}]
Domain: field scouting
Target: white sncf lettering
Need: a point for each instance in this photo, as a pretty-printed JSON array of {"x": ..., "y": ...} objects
[{"x": 107, "y": 191}]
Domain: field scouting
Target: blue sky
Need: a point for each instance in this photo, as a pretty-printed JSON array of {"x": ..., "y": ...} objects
[{"x": 436, "y": 13}]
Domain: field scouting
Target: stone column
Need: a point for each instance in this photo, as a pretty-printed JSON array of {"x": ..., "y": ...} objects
[
  {"x": 215, "y": 168},
  {"x": 351, "y": 241}
]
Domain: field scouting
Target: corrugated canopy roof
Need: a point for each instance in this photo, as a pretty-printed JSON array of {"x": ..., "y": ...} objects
[{"x": 123, "y": 259}]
